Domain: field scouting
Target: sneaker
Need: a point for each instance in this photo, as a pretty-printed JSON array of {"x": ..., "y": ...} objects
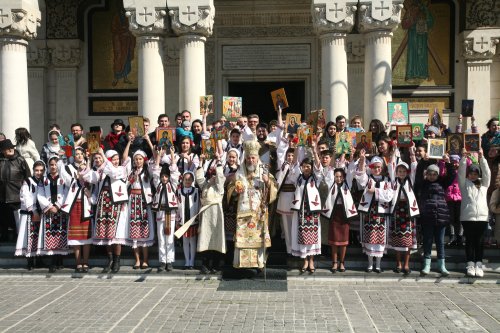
[
  {"x": 471, "y": 271},
  {"x": 479, "y": 269}
]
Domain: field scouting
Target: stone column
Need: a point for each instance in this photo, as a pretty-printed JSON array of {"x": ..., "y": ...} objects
[
  {"x": 355, "y": 74},
  {"x": 377, "y": 20},
  {"x": 192, "y": 21},
  {"x": 332, "y": 21},
  {"x": 148, "y": 22},
  {"x": 65, "y": 59},
  {"x": 18, "y": 24},
  {"x": 479, "y": 48},
  {"x": 171, "y": 65},
  {"x": 38, "y": 61}
]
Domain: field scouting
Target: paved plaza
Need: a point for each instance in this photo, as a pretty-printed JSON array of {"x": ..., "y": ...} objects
[{"x": 41, "y": 303}]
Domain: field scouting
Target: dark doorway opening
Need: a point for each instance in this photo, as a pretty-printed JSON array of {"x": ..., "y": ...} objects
[{"x": 257, "y": 97}]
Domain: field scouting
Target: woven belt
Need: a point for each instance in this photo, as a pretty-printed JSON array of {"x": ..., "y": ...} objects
[{"x": 287, "y": 188}]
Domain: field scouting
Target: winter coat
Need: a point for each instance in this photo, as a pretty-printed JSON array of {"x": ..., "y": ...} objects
[
  {"x": 433, "y": 207},
  {"x": 29, "y": 152},
  {"x": 13, "y": 172},
  {"x": 474, "y": 200}
]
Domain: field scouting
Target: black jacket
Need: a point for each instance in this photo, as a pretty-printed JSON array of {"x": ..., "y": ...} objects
[
  {"x": 13, "y": 171},
  {"x": 433, "y": 207}
]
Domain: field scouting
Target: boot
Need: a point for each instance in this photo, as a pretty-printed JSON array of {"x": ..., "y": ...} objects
[
  {"x": 452, "y": 241},
  {"x": 110, "y": 264},
  {"x": 442, "y": 268},
  {"x": 116, "y": 264},
  {"x": 31, "y": 264},
  {"x": 427, "y": 267}
]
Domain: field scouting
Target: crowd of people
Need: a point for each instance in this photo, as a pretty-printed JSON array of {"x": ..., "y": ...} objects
[{"x": 136, "y": 192}]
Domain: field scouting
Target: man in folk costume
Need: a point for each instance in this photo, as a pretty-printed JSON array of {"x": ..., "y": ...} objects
[
  {"x": 306, "y": 226},
  {"x": 374, "y": 208},
  {"x": 404, "y": 210},
  {"x": 165, "y": 204},
  {"x": 189, "y": 206},
  {"x": 255, "y": 189}
]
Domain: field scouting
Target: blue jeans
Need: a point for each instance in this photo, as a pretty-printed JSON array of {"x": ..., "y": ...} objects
[{"x": 433, "y": 233}]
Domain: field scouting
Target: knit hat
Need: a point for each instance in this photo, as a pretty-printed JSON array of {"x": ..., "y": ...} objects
[
  {"x": 474, "y": 168},
  {"x": 433, "y": 168},
  {"x": 455, "y": 158}
]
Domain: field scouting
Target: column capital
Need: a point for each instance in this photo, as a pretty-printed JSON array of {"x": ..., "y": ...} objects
[
  {"x": 480, "y": 44},
  {"x": 64, "y": 52},
  {"x": 379, "y": 15},
  {"x": 333, "y": 15},
  {"x": 192, "y": 16},
  {"x": 38, "y": 53},
  {"x": 146, "y": 16},
  {"x": 19, "y": 18},
  {"x": 355, "y": 48}
]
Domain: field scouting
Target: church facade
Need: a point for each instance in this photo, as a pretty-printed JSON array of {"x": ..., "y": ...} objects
[{"x": 92, "y": 61}]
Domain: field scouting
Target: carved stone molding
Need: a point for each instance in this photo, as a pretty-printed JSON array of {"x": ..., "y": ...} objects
[
  {"x": 270, "y": 18},
  {"x": 192, "y": 16},
  {"x": 333, "y": 15},
  {"x": 210, "y": 67},
  {"x": 61, "y": 18},
  {"x": 65, "y": 52},
  {"x": 19, "y": 19},
  {"x": 261, "y": 32},
  {"x": 37, "y": 54},
  {"x": 355, "y": 48},
  {"x": 480, "y": 44},
  {"x": 171, "y": 51},
  {"x": 482, "y": 13},
  {"x": 146, "y": 16},
  {"x": 379, "y": 15}
]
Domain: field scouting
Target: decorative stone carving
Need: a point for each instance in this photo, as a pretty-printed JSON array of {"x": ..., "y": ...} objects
[
  {"x": 171, "y": 51},
  {"x": 192, "y": 16},
  {"x": 482, "y": 13},
  {"x": 260, "y": 32},
  {"x": 210, "y": 59},
  {"x": 19, "y": 18},
  {"x": 480, "y": 44},
  {"x": 355, "y": 48},
  {"x": 379, "y": 15},
  {"x": 37, "y": 54},
  {"x": 65, "y": 52},
  {"x": 61, "y": 18},
  {"x": 146, "y": 16},
  {"x": 333, "y": 15}
]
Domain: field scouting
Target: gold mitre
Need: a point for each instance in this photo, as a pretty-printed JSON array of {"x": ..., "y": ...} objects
[{"x": 251, "y": 147}]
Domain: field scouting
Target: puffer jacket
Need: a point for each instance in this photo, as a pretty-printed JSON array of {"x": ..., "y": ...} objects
[
  {"x": 474, "y": 199},
  {"x": 432, "y": 204},
  {"x": 13, "y": 172}
]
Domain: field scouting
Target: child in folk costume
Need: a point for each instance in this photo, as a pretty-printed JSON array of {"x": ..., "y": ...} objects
[
  {"x": 287, "y": 179},
  {"x": 189, "y": 206},
  {"x": 186, "y": 160},
  {"x": 29, "y": 229},
  {"x": 340, "y": 208},
  {"x": 109, "y": 195},
  {"x": 374, "y": 208},
  {"x": 54, "y": 232},
  {"x": 165, "y": 204},
  {"x": 404, "y": 210},
  {"x": 77, "y": 203},
  {"x": 306, "y": 226},
  {"x": 211, "y": 236},
  {"x": 140, "y": 218}
]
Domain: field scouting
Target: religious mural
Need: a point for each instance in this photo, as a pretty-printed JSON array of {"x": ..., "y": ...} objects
[
  {"x": 422, "y": 44},
  {"x": 112, "y": 50}
]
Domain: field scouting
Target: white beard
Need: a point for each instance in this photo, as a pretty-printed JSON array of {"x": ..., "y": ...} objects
[{"x": 251, "y": 168}]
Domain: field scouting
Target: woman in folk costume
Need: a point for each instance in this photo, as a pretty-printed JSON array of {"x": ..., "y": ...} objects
[
  {"x": 287, "y": 176},
  {"x": 54, "y": 232},
  {"x": 211, "y": 236},
  {"x": 109, "y": 194},
  {"x": 77, "y": 203},
  {"x": 374, "y": 208},
  {"x": 165, "y": 204},
  {"x": 230, "y": 203},
  {"x": 189, "y": 206},
  {"x": 255, "y": 190},
  {"x": 340, "y": 208},
  {"x": 29, "y": 229},
  {"x": 140, "y": 218},
  {"x": 306, "y": 226},
  {"x": 186, "y": 160},
  {"x": 404, "y": 210}
]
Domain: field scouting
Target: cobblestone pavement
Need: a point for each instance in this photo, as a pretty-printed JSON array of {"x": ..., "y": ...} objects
[{"x": 62, "y": 304}]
